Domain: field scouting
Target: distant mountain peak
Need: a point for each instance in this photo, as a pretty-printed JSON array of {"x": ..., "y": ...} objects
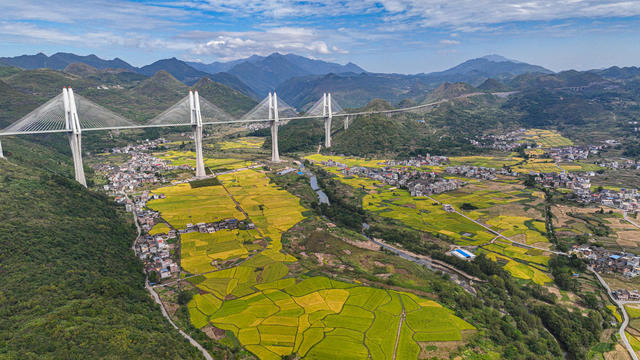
[{"x": 499, "y": 58}]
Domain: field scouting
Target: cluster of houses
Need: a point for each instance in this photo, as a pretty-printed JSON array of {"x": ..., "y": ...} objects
[
  {"x": 141, "y": 168},
  {"x": 419, "y": 183},
  {"x": 478, "y": 172},
  {"x": 622, "y": 164},
  {"x": 439, "y": 186},
  {"x": 213, "y": 226},
  {"x": 626, "y": 295},
  {"x": 625, "y": 199},
  {"x": 572, "y": 153},
  {"x": 505, "y": 142},
  {"x": 579, "y": 184},
  {"x": 426, "y": 160},
  {"x": 155, "y": 252},
  {"x": 608, "y": 262}
]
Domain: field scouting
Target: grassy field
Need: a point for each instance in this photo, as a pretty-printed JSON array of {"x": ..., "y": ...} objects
[{"x": 273, "y": 314}]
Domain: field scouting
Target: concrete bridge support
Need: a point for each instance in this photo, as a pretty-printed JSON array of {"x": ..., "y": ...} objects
[
  {"x": 328, "y": 116},
  {"x": 346, "y": 122},
  {"x": 274, "y": 117},
  {"x": 196, "y": 126},
  {"x": 75, "y": 134},
  {"x": 1, "y": 153}
]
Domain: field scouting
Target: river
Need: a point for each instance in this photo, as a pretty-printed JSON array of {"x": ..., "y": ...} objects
[{"x": 313, "y": 180}]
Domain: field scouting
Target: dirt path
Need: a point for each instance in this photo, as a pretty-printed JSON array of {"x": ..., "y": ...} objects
[{"x": 402, "y": 316}]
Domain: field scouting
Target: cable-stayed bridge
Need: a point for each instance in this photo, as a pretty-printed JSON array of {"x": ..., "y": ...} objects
[{"x": 74, "y": 114}]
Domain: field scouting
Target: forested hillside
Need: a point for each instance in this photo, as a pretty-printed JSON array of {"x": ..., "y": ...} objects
[{"x": 71, "y": 286}]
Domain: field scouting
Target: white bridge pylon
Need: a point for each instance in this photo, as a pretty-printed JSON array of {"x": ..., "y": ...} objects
[
  {"x": 326, "y": 108},
  {"x": 189, "y": 111},
  {"x": 271, "y": 108},
  {"x": 60, "y": 115}
]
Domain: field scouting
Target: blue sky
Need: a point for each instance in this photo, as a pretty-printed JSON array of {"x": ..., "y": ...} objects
[{"x": 403, "y": 36}]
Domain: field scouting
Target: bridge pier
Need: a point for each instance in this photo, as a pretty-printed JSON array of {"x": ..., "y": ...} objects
[
  {"x": 196, "y": 126},
  {"x": 328, "y": 116},
  {"x": 75, "y": 134},
  {"x": 274, "y": 117},
  {"x": 346, "y": 122},
  {"x": 1, "y": 153}
]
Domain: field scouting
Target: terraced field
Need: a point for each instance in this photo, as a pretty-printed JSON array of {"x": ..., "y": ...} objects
[{"x": 273, "y": 314}]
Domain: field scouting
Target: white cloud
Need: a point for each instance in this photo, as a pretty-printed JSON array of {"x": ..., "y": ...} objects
[
  {"x": 235, "y": 45},
  {"x": 469, "y": 15},
  {"x": 449, "y": 42}
]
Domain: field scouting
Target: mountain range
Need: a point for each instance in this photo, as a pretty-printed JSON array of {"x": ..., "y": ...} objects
[{"x": 300, "y": 81}]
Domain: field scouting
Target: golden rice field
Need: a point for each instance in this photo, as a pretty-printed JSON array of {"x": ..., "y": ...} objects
[
  {"x": 489, "y": 197},
  {"x": 273, "y": 314},
  {"x": 546, "y": 138},
  {"x": 184, "y": 205},
  {"x": 349, "y": 161},
  {"x": 160, "y": 228},
  {"x": 178, "y": 158},
  {"x": 242, "y": 143}
]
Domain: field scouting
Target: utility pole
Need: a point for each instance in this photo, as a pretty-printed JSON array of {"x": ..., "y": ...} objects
[
  {"x": 196, "y": 125},
  {"x": 274, "y": 117},
  {"x": 75, "y": 133}
]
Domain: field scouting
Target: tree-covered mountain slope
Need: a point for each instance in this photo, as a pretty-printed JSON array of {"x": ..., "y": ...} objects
[{"x": 71, "y": 286}]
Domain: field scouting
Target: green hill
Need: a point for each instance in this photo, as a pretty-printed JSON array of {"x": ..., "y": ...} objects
[
  {"x": 14, "y": 104},
  {"x": 493, "y": 85},
  {"x": 449, "y": 91},
  {"x": 232, "y": 101},
  {"x": 71, "y": 286},
  {"x": 46, "y": 83}
]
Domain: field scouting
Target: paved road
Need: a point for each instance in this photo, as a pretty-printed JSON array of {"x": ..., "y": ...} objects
[
  {"x": 620, "y": 305},
  {"x": 155, "y": 296},
  {"x": 629, "y": 220}
]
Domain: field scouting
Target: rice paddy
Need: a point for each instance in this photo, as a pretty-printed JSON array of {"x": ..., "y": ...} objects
[
  {"x": 546, "y": 138},
  {"x": 272, "y": 314},
  {"x": 179, "y": 158},
  {"x": 492, "y": 201},
  {"x": 242, "y": 143}
]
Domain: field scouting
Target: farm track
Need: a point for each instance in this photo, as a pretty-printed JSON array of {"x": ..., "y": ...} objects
[
  {"x": 402, "y": 316},
  {"x": 500, "y": 235}
]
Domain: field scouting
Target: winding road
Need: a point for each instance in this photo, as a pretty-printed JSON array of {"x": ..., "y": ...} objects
[
  {"x": 625, "y": 322},
  {"x": 155, "y": 296}
]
